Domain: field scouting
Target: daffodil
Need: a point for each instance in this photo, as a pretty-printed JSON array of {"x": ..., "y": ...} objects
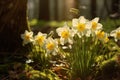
[
  {"x": 116, "y": 34},
  {"x": 51, "y": 45},
  {"x": 66, "y": 34},
  {"x": 80, "y": 26},
  {"x": 95, "y": 25},
  {"x": 27, "y": 37},
  {"x": 101, "y": 35},
  {"x": 40, "y": 39}
]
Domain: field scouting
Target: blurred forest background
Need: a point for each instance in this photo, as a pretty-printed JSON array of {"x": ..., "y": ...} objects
[
  {"x": 42, "y": 13},
  {"x": 60, "y": 9}
]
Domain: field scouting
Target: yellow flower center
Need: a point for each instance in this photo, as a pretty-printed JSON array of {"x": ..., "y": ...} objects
[
  {"x": 65, "y": 34},
  {"x": 27, "y": 37},
  {"x": 81, "y": 27},
  {"x": 50, "y": 46},
  {"x": 100, "y": 34},
  {"x": 40, "y": 39},
  {"x": 94, "y": 25},
  {"x": 118, "y": 34}
]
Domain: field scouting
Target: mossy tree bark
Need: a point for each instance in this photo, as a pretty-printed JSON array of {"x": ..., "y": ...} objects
[{"x": 13, "y": 22}]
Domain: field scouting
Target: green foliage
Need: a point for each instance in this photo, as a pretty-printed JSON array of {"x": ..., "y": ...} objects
[
  {"x": 110, "y": 24},
  {"x": 83, "y": 56},
  {"x": 40, "y": 23},
  {"x": 107, "y": 64},
  {"x": 40, "y": 59},
  {"x": 45, "y": 75},
  {"x": 20, "y": 71},
  {"x": 36, "y": 22}
]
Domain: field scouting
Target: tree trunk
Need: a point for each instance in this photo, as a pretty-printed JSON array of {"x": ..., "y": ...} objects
[
  {"x": 93, "y": 8},
  {"x": 44, "y": 10},
  {"x": 13, "y": 22},
  {"x": 115, "y": 6}
]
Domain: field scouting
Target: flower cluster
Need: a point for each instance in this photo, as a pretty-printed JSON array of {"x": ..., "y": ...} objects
[
  {"x": 85, "y": 39},
  {"x": 41, "y": 40},
  {"x": 81, "y": 27}
]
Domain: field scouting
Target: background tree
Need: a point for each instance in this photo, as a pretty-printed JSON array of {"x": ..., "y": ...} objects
[
  {"x": 13, "y": 22},
  {"x": 93, "y": 8}
]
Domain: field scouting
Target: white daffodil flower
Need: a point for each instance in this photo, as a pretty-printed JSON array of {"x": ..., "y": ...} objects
[
  {"x": 66, "y": 34},
  {"x": 101, "y": 35},
  {"x": 80, "y": 26},
  {"x": 116, "y": 34},
  {"x": 51, "y": 45},
  {"x": 94, "y": 26},
  {"x": 40, "y": 39},
  {"x": 27, "y": 37}
]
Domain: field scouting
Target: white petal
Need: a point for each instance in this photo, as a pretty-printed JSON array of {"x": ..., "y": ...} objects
[
  {"x": 62, "y": 41},
  {"x": 99, "y": 26},
  {"x": 82, "y": 19},
  {"x": 88, "y": 33},
  {"x": 79, "y": 35},
  {"x": 96, "y": 20},
  {"x": 64, "y": 47},
  {"x": 70, "y": 41},
  {"x": 74, "y": 22},
  {"x": 113, "y": 33},
  {"x": 88, "y": 25}
]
